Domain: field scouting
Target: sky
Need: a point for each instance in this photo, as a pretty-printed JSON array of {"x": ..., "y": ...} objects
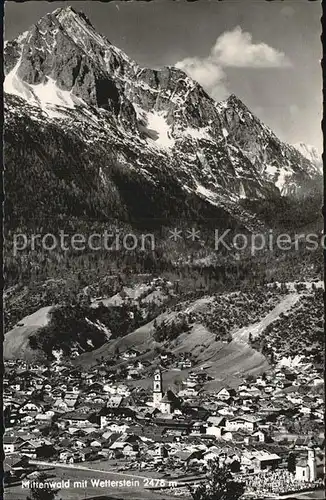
[{"x": 267, "y": 53}]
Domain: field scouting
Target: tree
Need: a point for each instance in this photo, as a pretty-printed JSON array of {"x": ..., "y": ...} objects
[
  {"x": 46, "y": 493},
  {"x": 178, "y": 382},
  {"x": 272, "y": 358},
  {"x": 219, "y": 485},
  {"x": 291, "y": 462}
]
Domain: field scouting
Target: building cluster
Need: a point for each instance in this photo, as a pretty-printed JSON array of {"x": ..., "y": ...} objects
[{"x": 268, "y": 429}]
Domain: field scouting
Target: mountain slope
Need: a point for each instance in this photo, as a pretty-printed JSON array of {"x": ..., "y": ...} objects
[
  {"x": 112, "y": 128},
  {"x": 311, "y": 153},
  {"x": 16, "y": 342},
  {"x": 211, "y": 334}
]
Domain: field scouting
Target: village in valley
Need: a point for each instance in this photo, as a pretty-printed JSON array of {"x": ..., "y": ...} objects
[
  {"x": 234, "y": 378},
  {"x": 268, "y": 429}
]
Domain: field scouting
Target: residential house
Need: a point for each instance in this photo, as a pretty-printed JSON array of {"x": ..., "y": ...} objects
[
  {"x": 75, "y": 418},
  {"x": 158, "y": 450},
  {"x": 266, "y": 461},
  {"x": 60, "y": 405},
  {"x": 130, "y": 354},
  {"x": 30, "y": 407},
  {"x": 10, "y": 444},
  {"x": 128, "y": 445},
  {"x": 15, "y": 466},
  {"x": 246, "y": 423},
  {"x": 260, "y": 435},
  {"x": 130, "y": 450},
  {"x": 11, "y": 416},
  {"x": 211, "y": 454},
  {"x": 37, "y": 448},
  {"x": 225, "y": 394},
  {"x": 318, "y": 381}
]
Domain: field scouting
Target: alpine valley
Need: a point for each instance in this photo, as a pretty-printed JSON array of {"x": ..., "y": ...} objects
[{"x": 92, "y": 141}]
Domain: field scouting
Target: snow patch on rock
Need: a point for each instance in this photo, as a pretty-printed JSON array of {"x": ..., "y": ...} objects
[
  {"x": 156, "y": 121},
  {"x": 200, "y": 133},
  {"x": 45, "y": 95}
]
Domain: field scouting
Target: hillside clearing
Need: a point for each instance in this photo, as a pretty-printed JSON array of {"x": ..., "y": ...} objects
[{"x": 16, "y": 341}]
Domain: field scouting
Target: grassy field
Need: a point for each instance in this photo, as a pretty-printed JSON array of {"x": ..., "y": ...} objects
[{"x": 16, "y": 341}]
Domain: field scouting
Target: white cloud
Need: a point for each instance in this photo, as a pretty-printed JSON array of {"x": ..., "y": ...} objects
[
  {"x": 231, "y": 49},
  {"x": 235, "y": 49},
  {"x": 207, "y": 73}
]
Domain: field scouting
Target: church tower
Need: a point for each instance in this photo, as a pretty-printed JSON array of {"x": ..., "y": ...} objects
[
  {"x": 158, "y": 388},
  {"x": 312, "y": 462}
]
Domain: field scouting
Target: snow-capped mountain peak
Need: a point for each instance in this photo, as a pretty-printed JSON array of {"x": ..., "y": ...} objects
[{"x": 158, "y": 123}]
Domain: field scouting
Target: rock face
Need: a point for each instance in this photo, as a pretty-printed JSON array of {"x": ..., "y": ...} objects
[
  {"x": 158, "y": 127},
  {"x": 272, "y": 159},
  {"x": 311, "y": 153}
]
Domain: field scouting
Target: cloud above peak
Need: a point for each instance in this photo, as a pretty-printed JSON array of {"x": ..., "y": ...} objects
[{"x": 235, "y": 49}]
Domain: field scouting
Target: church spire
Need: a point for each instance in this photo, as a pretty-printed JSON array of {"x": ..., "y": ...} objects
[{"x": 157, "y": 387}]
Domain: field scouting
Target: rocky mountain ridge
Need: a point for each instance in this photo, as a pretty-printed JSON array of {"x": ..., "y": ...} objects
[
  {"x": 311, "y": 153},
  {"x": 141, "y": 127}
]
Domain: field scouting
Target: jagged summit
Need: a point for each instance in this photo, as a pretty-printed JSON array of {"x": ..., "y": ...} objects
[
  {"x": 67, "y": 14},
  {"x": 67, "y": 11},
  {"x": 69, "y": 18},
  {"x": 233, "y": 102},
  {"x": 234, "y": 99}
]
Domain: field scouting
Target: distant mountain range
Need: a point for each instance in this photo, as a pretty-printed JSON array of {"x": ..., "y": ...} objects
[{"x": 90, "y": 133}]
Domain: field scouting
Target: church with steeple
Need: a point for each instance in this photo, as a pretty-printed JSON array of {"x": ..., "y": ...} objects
[
  {"x": 306, "y": 469},
  {"x": 164, "y": 402},
  {"x": 158, "y": 388}
]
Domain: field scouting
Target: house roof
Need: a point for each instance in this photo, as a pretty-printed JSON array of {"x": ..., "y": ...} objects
[
  {"x": 228, "y": 389},
  {"x": 247, "y": 418},
  {"x": 169, "y": 397},
  {"x": 13, "y": 460},
  {"x": 66, "y": 442},
  {"x": 36, "y": 443},
  {"x": 264, "y": 457},
  {"x": 183, "y": 455},
  {"x": 117, "y": 411},
  {"x": 302, "y": 463},
  {"x": 65, "y": 450},
  {"x": 10, "y": 439},
  {"x": 74, "y": 415},
  {"x": 87, "y": 450},
  {"x": 212, "y": 449},
  {"x": 302, "y": 440},
  {"x": 216, "y": 420}
]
